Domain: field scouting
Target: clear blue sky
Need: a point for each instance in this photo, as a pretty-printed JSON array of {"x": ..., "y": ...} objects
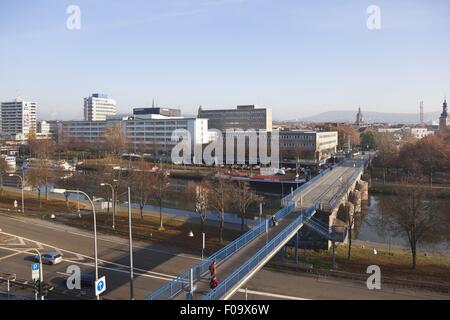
[{"x": 297, "y": 57}]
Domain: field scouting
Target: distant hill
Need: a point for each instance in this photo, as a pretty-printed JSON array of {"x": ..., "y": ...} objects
[{"x": 350, "y": 116}]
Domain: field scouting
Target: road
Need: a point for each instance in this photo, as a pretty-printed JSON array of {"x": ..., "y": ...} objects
[
  {"x": 154, "y": 265},
  {"x": 329, "y": 185},
  {"x": 288, "y": 285}
]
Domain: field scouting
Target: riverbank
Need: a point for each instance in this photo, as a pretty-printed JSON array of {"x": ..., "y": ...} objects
[{"x": 431, "y": 272}]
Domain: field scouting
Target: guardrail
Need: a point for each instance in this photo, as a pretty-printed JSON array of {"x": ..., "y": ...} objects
[
  {"x": 326, "y": 232},
  {"x": 337, "y": 197},
  {"x": 182, "y": 282},
  {"x": 231, "y": 281},
  {"x": 287, "y": 199}
]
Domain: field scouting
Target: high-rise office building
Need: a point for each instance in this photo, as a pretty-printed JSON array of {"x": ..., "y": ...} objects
[
  {"x": 98, "y": 106},
  {"x": 243, "y": 117},
  {"x": 18, "y": 118}
]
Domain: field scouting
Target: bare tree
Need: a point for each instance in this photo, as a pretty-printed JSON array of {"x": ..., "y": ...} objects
[
  {"x": 220, "y": 191},
  {"x": 114, "y": 140},
  {"x": 141, "y": 184},
  {"x": 412, "y": 212},
  {"x": 244, "y": 198},
  {"x": 202, "y": 201},
  {"x": 3, "y": 170},
  {"x": 160, "y": 185}
]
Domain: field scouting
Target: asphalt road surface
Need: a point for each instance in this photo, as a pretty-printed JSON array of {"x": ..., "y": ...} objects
[{"x": 154, "y": 266}]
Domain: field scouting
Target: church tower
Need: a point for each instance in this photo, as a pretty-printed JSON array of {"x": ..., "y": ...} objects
[
  {"x": 444, "y": 120},
  {"x": 359, "y": 118}
]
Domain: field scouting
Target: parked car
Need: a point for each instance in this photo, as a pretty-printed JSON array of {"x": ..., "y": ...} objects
[{"x": 53, "y": 257}]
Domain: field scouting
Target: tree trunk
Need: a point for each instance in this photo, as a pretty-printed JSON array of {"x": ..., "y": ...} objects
[
  {"x": 242, "y": 221},
  {"x": 161, "y": 224},
  {"x": 141, "y": 207},
  {"x": 222, "y": 224},
  {"x": 349, "y": 254},
  {"x": 46, "y": 190},
  {"x": 414, "y": 256},
  {"x": 39, "y": 197}
]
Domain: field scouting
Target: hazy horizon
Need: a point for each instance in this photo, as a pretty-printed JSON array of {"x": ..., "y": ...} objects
[{"x": 299, "y": 58}]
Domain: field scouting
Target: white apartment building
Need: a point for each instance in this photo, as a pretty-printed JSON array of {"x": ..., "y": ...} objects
[
  {"x": 141, "y": 134},
  {"x": 18, "y": 118},
  {"x": 98, "y": 106},
  {"x": 418, "y": 133}
]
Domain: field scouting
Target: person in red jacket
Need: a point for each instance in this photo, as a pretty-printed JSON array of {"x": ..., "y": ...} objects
[
  {"x": 213, "y": 268},
  {"x": 214, "y": 282}
]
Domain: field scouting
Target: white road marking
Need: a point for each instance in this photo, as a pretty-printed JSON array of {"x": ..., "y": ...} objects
[
  {"x": 100, "y": 238},
  {"x": 91, "y": 258},
  {"x": 9, "y": 256},
  {"x": 144, "y": 274},
  {"x": 272, "y": 295}
]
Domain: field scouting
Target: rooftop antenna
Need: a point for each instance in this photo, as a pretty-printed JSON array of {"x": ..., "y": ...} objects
[{"x": 153, "y": 103}]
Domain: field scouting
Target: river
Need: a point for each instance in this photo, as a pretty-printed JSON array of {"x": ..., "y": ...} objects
[{"x": 372, "y": 230}]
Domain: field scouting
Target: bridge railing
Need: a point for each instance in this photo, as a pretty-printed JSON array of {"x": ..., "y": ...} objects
[
  {"x": 326, "y": 232},
  {"x": 288, "y": 199},
  {"x": 182, "y": 282},
  {"x": 337, "y": 197},
  {"x": 231, "y": 281}
]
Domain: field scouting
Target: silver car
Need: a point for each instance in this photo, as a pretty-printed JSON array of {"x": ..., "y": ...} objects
[{"x": 53, "y": 257}]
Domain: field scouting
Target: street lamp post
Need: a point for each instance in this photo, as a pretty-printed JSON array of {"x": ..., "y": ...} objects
[
  {"x": 113, "y": 201},
  {"x": 131, "y": 245},
  {"x": 21, "y": 182},
  {"x": 41, "y": 272},
  {"x": 62, "y": 191}
]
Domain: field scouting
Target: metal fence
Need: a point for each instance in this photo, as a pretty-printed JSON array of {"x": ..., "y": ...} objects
[
  {"x": 286, "y": 200},
  {"x": 345, "y": 187},
  {"x": 182, "y": 282},
  {"x": 231, "y": 281},
  {"x": 325, "y": 231}
]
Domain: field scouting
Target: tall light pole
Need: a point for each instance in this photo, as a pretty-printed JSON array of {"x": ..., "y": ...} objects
[
  {"x": 41, "y": 272},
  {"x": 130, "y": 244},
  {"x": 21, "y": 182},
  {"x": 113, "y": 201},
  {"x": 63, "y": 191}
]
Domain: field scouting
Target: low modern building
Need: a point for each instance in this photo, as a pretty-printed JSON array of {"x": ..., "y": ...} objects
[
  {"x": 307, "y": 147},
  {"x": 242, "y": 118},
  {"x": 98, "y": 106},
  {"x": 147, "y": 134}
]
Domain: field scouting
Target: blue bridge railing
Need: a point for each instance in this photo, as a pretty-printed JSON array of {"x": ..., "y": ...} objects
[
  {"x": 287, "y": 199},
  {"x": 231, "y": 281},
  {"x": 182, "y": 282}
]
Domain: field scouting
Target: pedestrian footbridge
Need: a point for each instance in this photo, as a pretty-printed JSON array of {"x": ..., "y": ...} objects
[{"x": 241, "y": 259}]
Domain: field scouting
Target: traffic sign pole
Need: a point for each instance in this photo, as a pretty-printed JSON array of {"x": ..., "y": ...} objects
[{"x": 100, "y": 286}]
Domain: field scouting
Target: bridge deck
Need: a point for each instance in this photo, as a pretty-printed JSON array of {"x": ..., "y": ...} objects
[
  {"x": 322, "y": 190},
  {"x": 328, "y": 186}
]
